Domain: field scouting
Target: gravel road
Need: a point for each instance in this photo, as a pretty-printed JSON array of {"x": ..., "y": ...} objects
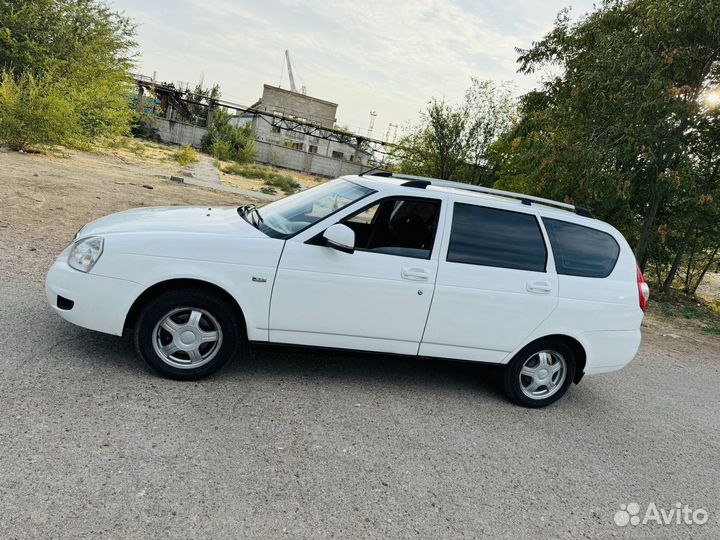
[{"x": 297, "y": 444}]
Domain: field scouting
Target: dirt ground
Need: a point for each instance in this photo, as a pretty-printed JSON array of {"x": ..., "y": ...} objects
[
  {"x": 45, "y": 199},
  {"x": 290, "y": 444}
]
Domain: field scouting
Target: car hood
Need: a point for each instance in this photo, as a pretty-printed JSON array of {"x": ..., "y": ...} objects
[{"x": 191, "y": 219}]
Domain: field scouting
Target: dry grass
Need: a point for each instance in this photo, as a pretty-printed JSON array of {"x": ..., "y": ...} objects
[
  {"x": 255, "y": 176},
  {"x": 129, "y": 148}
]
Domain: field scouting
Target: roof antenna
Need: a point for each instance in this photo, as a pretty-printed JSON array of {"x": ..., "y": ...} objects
[{"x": 372, "y": 169}]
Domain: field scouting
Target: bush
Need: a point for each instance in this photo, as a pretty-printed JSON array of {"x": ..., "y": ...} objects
[
  {"x": 70, "y": 62},
  {"x": 220, "y": 149},
  {"x": 286, "y": 184},
  {"x": 227, "y": 142},
  {"x": 185, "y": 155},
  {"x": 260, "y": 172},
  {"x": 273, "y": 180},
  {"x": 128, "y": 143},
  {"x": 34, "y": 112}
]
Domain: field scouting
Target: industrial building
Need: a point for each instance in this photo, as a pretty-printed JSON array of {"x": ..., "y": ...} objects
[
  {"x": 292, "y": 129},
  {"x": 282, "y": 136}
]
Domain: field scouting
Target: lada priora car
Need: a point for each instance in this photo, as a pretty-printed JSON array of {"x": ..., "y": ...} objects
[{"x": 384, "y": 263}]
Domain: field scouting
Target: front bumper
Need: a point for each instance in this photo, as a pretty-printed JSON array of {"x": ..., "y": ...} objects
[{"x": 98, "y": 302}]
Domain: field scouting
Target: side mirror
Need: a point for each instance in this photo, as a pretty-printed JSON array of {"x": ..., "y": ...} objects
[{"x": 340, "y": 237}]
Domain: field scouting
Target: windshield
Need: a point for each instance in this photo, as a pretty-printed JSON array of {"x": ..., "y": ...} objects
[{"x": 289, "y": 216}]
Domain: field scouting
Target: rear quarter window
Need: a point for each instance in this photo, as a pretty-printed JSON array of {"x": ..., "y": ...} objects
[
  {"x": 491, "y": 237},
  {"x": 581, "y": 251}
]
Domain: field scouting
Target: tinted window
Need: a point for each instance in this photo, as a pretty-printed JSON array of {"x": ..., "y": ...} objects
[
  {"x": 581, "y": 251},
  {"x": 492, "y": 237}
]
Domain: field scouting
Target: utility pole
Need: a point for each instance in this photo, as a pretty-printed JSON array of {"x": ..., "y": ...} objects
[
  {"x": 373, "y": 114},
  {"x": 392, "y": 128}
]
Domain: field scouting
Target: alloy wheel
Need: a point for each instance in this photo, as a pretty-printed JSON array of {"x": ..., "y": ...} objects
[
  {"x": 543, "y": 374},
  {"x": 187, "y": 337}
]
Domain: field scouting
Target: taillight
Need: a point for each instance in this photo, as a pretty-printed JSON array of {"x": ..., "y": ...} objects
[{"x": 643, "y": 290}]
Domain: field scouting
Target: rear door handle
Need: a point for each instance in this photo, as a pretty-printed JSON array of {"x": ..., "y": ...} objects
[
  {"x": 539, "y": 287},
  {"x": 415, "y": 274}
]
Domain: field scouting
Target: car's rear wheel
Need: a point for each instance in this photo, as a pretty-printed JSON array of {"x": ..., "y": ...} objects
[
  {"x": 539, "y": 374},
  {"x": 187, "y": 334}
]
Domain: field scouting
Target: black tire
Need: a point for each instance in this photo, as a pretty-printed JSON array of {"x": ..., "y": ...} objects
[
  {"x": 153, "y": 341},
  {"x": 516, "y": 387}
]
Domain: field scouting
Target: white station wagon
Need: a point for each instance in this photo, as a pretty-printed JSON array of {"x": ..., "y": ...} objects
[{"x": 381, "y": 262}]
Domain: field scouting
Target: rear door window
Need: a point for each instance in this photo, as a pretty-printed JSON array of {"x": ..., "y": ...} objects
[
  {"x": 581, "y": 251},
  {"x": 492, "y": 237}
]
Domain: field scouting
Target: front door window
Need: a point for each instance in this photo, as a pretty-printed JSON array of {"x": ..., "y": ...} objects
[{"x": 397, "y": 226}]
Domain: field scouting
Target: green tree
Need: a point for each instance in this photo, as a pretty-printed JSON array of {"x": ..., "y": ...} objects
[
  {"x": 228, "y": 142},
  {"x": 612, "y": 130},
  {"x": 81, "y": 49},
  {"x": 691, "y": 220},
  {"x": 491, "y": 108},
  {"x": 452, "y": 142},
  {"x": 437, "y": 146}
]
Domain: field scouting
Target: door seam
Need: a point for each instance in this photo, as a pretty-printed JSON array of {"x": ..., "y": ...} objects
[{"x": 272, "y": 289}]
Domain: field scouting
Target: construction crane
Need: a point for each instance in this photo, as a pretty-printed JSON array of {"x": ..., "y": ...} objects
[{"x": 290, "y": 73}]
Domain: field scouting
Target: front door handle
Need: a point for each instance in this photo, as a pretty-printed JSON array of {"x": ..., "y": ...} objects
[
  {"x": 415, "y": 274},
  {"x": 539, "y": 287}
]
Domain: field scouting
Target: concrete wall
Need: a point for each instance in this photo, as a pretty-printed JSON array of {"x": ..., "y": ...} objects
[
  {"x": 281, "y": 156},
  {"x": 178, "y": 133},
  {"x": 324, "y": 147},
  {"x": 266, "y": 152}
]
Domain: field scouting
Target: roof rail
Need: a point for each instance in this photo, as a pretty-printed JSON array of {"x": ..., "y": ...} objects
[{"x": 422, "y": 182}]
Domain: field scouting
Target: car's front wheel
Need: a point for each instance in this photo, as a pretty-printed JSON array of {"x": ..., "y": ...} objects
[
  {"x": 539, "y": 374},
  {"x": 187, "y": 334}
]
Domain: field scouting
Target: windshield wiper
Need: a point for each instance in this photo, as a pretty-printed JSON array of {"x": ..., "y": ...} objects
[{"x": 251, "y": 209}]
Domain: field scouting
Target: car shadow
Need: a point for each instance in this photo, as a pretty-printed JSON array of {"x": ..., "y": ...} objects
[
  {"x": 363, "y": 368},
  {"x": 265, "y": 362}
]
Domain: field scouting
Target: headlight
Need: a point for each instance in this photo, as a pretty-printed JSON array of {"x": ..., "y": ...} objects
[{"x": 85, "y": 253}]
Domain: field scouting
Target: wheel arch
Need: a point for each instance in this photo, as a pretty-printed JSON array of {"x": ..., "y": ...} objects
[
  {"x": 179, "y": 283},
  {"x": 575, "y": 346}
]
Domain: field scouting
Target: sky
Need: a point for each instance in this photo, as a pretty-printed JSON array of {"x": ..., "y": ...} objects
[{"x": 388, "y": 56}]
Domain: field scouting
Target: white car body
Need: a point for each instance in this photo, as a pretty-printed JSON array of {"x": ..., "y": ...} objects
[{"x": 293, "y": 292}]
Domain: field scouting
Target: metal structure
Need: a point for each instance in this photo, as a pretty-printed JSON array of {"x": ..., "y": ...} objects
[
  {"x": 171, "y": 99},
  {"x": 169, "y": 94}
]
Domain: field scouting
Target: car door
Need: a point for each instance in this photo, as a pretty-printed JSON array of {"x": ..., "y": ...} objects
[
  {"x": 496, "y": 283},
  {"x": 376, "y": 298}
]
